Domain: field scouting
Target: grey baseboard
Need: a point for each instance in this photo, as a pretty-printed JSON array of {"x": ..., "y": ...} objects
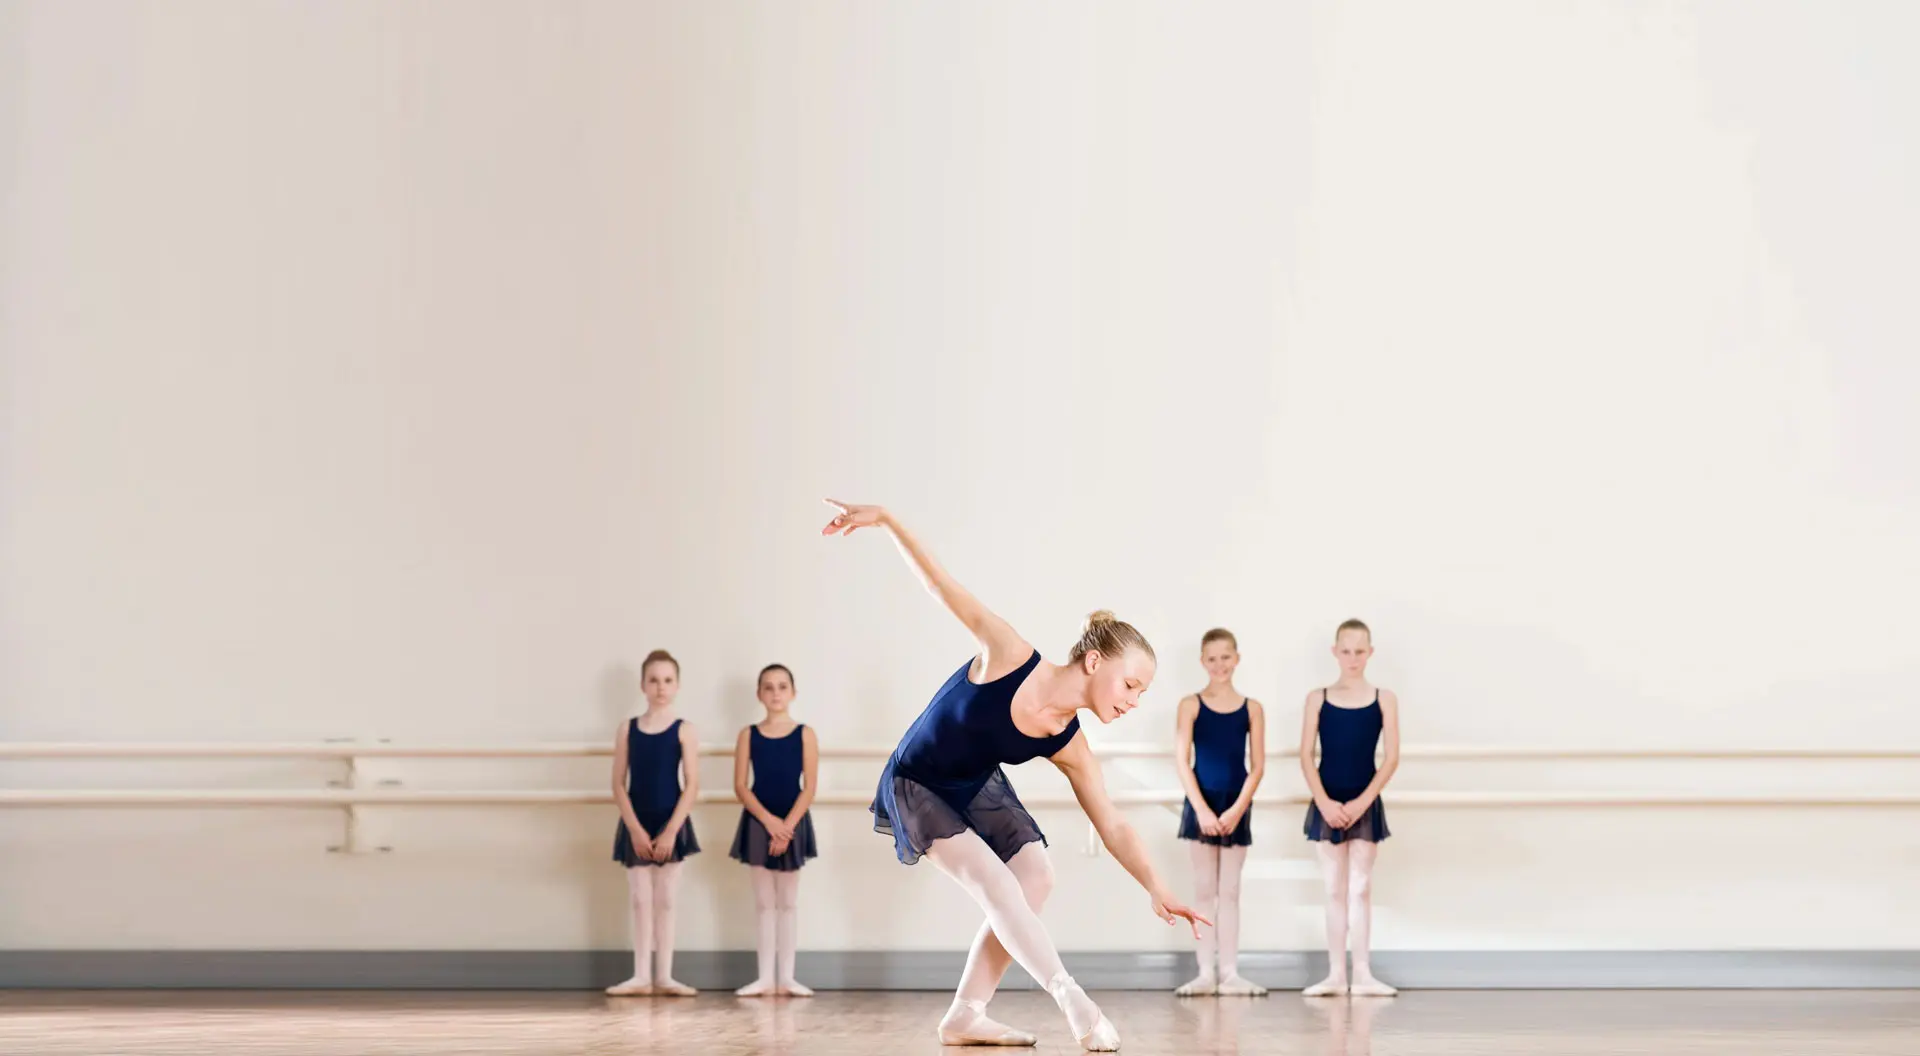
[{"x": 938, "y": 970}]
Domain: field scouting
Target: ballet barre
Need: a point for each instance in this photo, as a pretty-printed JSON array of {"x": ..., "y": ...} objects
[
  {"x": 417, "y": 797},
  {"x": 352, "y": 800},
  {"x": 381, "y": 749},
  {"x": 361, "y": 788}
]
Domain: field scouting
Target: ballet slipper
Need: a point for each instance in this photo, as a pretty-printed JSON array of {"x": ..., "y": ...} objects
[
  {"x": 1236, "y": 986},
  {"x": 757, "y": 988},
  {"x": 791, "y": 988},
  {"x": 630, "y": 988},
  {"x": 1203, "y": 985},
  {"x": 1325, "y": 988},
  {"x": 1104, "y": 1037},
  {"x": 966, "y": 1023},
  {"x": 1372, "y": 988},
  {"x": 1101, "y": 1035},
  {"x": 673, "y": 988}
]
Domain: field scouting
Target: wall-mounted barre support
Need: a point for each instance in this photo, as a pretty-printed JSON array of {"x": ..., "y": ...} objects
[{"x": 355, "y": 837}]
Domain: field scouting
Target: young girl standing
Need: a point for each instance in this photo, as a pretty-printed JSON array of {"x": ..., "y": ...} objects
[
  {"x": 1350, "y": 719},
  {"x": 1220, "y": 738},
  {"x": 775, "y": 836},
  {"x": 656, "y": 781}
]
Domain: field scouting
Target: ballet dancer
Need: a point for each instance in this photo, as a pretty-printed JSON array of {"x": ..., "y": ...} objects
[
  {"x": 943, "y": 794},
  {"x": 1347, "y": 820},
  {"x": 775, "y": 835},
  {"x": 1220, "y": 738},
  {"x": 655, "y": 784}
]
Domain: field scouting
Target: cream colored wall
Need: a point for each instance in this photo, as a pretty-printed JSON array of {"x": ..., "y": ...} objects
[{"x": 410, "y": 370}]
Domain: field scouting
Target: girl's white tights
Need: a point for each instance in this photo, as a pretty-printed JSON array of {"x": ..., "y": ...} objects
[
  {"x": 776, "y": 896},
  {"x": 1216, "y": 874},
  {"x": 1348, "y": 867},
  {"x": 650, "y": 890}
]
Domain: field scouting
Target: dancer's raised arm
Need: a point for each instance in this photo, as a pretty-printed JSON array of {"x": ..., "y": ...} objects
[{"x": 1001, "y": 647}]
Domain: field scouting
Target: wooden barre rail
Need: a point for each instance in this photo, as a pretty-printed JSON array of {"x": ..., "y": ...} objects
[
  {"x": 354, "y": 794},
  {"x": 20, "y": 750},
  {"x": 396, "y": 797}
]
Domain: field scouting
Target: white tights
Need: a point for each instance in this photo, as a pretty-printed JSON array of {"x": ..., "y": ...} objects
[
  {"x": 776, "y": 898},
  {"x": 650, "y": 890},
  {"x": 1011, "y": 894},
  {"x": 1216, "y": 881},
  {"x": 1348, "y": 867}
]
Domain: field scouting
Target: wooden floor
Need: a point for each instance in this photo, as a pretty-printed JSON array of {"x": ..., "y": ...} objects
[{"x": 1483, "y": 1023}]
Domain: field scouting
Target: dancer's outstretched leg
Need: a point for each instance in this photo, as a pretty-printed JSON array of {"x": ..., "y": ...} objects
[
  {"x": 992, "y": 885},
  {"x": 966, "y": 1023}
]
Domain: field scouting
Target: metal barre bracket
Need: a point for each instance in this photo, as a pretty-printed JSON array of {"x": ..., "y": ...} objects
[{"x": 355, "y": 840}]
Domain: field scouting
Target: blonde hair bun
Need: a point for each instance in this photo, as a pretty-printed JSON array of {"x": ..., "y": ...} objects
[{"x": 1107, "y": 635}]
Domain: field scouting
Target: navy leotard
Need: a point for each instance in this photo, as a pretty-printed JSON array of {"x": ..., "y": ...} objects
[
  {"x": 945, "y": 776},
  {"x": 1220, "y": 768}
]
